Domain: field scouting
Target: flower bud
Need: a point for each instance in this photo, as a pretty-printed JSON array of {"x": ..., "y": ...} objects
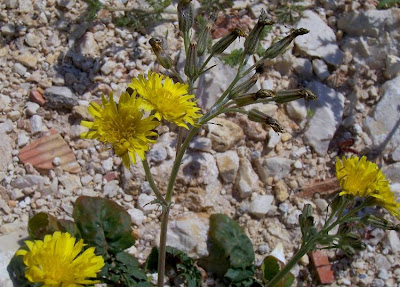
[
  {"x": 185, "y": 15},
  {"x": 162, "y": 57},
  {"x": 291, "y": 95},
  {"x": 253, "y": 38},
  {"x": 205, "y": 35},
  {"x": 191, "y": 61},
  {"x": 280, "y": 46},
  {"x": 248, "y": 99},
  {"x": 244, "y": 87},
  {"x": 259, "y": 117},
  {"x": 226, "y": 41}
]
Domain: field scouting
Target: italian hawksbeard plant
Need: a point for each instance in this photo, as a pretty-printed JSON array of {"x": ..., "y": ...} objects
[{"x": 129, "y": 128}]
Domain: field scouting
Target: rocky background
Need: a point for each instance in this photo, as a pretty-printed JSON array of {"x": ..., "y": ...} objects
[{"x": 53, "y": 63}]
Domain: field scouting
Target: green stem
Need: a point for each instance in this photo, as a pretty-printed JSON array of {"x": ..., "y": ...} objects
[
  {"x": 163, "y": 246},
  {"x": 152, "y": 183}
]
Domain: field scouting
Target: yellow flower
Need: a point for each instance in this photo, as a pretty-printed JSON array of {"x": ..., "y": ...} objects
[
  {"x": 55, "y": 261},
  {"x": 360, "y": 177},
  {"x": 123, "y": 126},
  {"x": 169, "y": 101}
]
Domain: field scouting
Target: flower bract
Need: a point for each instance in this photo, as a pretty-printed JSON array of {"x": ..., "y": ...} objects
[
  {"x": 58, "y": 260},
  {"x": 123, "y": 126},
  {"x": 168, "y": 100},
  {"x": 360, "y": 177}
]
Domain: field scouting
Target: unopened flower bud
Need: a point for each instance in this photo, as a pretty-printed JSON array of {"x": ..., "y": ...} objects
[
  {"x": 259, "y": 117},
  {"x": 162, "y": 57},
  {"x": 185, "y": 15},
  {"x": 253, "y": 38},
  {"x": 226, "y": 41},
  {"x": 205, "y": 35},
  {"x": 244, "y": 87},
  {"x": 291, "y": 95},
  {"x": 280, "y": 46},
  {"x": 191, "y": 61},
  {"x": 248, "y": 99}
]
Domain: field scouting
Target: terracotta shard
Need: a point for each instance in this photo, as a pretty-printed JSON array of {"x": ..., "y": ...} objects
[
  {"x": 326, "y": 187},
  {"x": 42, "y": 152}
]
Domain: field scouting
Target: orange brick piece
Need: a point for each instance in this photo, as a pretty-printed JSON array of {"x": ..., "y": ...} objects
[{"x": 322, "y": 266}]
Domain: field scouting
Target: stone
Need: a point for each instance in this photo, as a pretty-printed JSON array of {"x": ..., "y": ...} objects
[
  {"x": 31, "y": 108},
  {"x": 279, "y": 253},
  {"x": 201, "y": 144},
  {"x": 297, "y": 110},
  {"x": 188, "y": 232},
  {"x": 71, "y": 182},
  {"x": 32, "y": 40},
  {"x": 392, "y": 240},
  {"x": 320, "y": 41},
  {"x": 137, "y": 216},
  {"x": 224, "y": 134},
  {"x": 144, "y": 204},
  {"x": 107, "y": 164},
  {"x": 22, "y": 139},
  {"x": 36, "y": 124},
  {"x": 392, "y": 172},
  {"x": 247, "y": 179},
  {"x": 66, "y": 4},
  {"x": 228, "y": 165},
  {"x": 19, "y": 69},
  {"x": 88, "y": 45},
  {"x": 28, "y": 60},
  {"x": 37, "y": 97},
  {"x": 5, "y": 151},
  {"x": 320, "y": 69},
  {"x": 281, "y": 191},
  {"x": 321, "y": 204},
  {"x": 323, "y": 267},
  {"x": 111, "y": 188},
  {"x": 11, "y": 4},
  {"x": 392, "y": 67},
  {"x": 278, "y": 167},
  {"x": 383, "y": 120},
  {"x": 157, "y": 154},
  {"x": 370, "y": 23},
  {"x": 25, "y": 6},
  {"x": 328, "y": 112},
  {"x": 60, "y": 97},
  {"x": 7, "y": 30},
  {"x": 29, "y": 180},
  {"x": 396, "y": 154},
  {"x": 260, "y": 206},
  {"x": 273, "y": 139},
  {"x": 303, "y": 68},
  {"x": 108, "y": 67},
  {"x": 382, "y": 263}
]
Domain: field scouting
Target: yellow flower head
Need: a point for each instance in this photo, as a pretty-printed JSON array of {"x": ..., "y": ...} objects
[
  {"x": 122, "y": 126},
  {"x": 56, "y": 261},
  {"x": 360, "y": 177},
  {"x": 169, "y": 101}
]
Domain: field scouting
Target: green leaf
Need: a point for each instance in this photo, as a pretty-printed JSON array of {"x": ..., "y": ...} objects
[
  {"x": 16, "y": 269},
  {"x": 239, "y": 275},
  {"x": 270, "y": 267},
  {"x": 103, "y": 224},
  {"x": 70, "y": 227},
  {"x": 42, "y": 224},
  {"x": 387, "y": 3},
  {"x": 233, "y": 58}
]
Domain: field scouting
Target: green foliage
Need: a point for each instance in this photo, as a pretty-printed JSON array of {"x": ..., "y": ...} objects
[
  {"x": 104, "y": 224},
  {"x": 94, "y": 6},
  {"x": 231, "y": 252},
  {"x": 387, "y": 3},
  {"x": 289, "y": 11},
  {"x": 270, "y": 267},
  {"x": 16, "y": 269},
  {"x": 310, "y": 113},
  {"x": 180, "y": 267}
]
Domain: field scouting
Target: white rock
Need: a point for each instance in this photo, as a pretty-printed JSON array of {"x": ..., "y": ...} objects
[
  {"x": 189, "y": 232},
  {"x": 71, "y": 182},
  {"x": 392, "y": 172},
  {"x": 303, "y": 68},
  {"x": 32, "y": 40},
  {"x": 392, "y": 66},
  {"x": 320, "y": 41},
  {"x": 273, "y": 139},
  {"x": 157, "y": 154},
  {"x": 228, "y": 165},
  {"x": 297, "y": 110},
  {"x": 88, "y": 45},
  {"x": 108, "y": 67},
  {"x": 28, "y": 181},
  {"x": 383, "y": 119},
  {"x": 111, "y": 188},
  {"x": 137, "y": 216},
  {"x": 107, "y": 164},
  {"x": 223, "y": 134},
  {"x": 247, "y": 180},
  {"x": 19, "y": 69},
  {"x": 36, "y": 124},
  {"x": 273, "y": 166},
  {"x": 261, "y": 205},
  {"x": 320, "y": 69},
  {"x": 396, "y": 154},
  {"x": 326, "y": 119},
  {"x": 25, "y": 6},
  {"x": 86, "y": 179},
  {"x": 279, "y": 253},
  {"x": 321, "y": 204},
  {"x": 201, "y": 144},
  {"x": 60, "y": 97},
  {"x": 31, "y": 108},
  {"x": 5, "y": 151},
  {"x": 393, "y": 241},
  {"x": 381, "y": 262},
  {"x": 144, "y": 203}
]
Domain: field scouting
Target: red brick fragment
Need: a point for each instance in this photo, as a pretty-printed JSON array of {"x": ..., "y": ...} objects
[
  {"x": 111, "y": 176},
  {"x": 41, "y": 153},
  {"x": 319, "y": 258},
  {"x": 325, "y": 274},
  {"x": 37, "y": 97}
]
